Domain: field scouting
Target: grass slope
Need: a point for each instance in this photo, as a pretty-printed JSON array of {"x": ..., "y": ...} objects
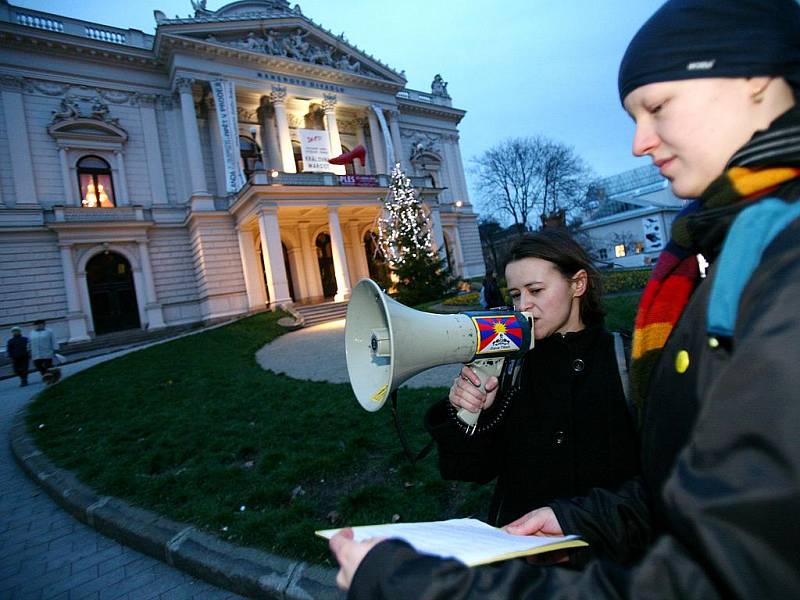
[{"x": 196, "y": 430}]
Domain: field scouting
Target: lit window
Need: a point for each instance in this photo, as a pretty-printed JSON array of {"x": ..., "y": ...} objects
[
  {"x": 619, "y": 250},
  {"x": 638, "y": 247},
  {"x": 94, "y": 178}
]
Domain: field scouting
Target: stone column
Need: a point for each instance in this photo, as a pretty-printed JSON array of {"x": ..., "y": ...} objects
[
  {"x": 272, "y": 151},
  {"x": 339, "y": 259},
  {"x": 359, "y": 252},
  {"x": 394, "y": 128},
  {"x": 296, "y": 264},
  {"x": 378, "y": 154},
  {"x": 252, "y": 271},
  {"x": 155, "y": 318},
  {"x": 18, "y": 141},
  {"x": 278, "y": 98},
  {"x": 332, "y": 127},
  {"x": 272, "y": 253},
  {"x": 362, "y": 141},
  {"x": 152, "y": 149},
  {"x": 67, "y": 181},
  {"x": 201, "y": 199},
  {"x": 76, "y": 320},
  {"x": 310, "y": 264}
]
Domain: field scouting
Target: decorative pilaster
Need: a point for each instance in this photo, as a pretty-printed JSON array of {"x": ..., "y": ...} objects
[
  {"x": 201, "y": 200},
  {"x": 272, "y": 253},
  {"x": 152, "y": 149},
  {"x": 155, "y": 317},
  {"x": 17, "y": 132},
  {"x": 70, "y": 198},
  {"x": 378, "y": 155},
  {"x": 329, "y": 106},
  {"x": 339, "y": 259},
  {"x": 76, "y": 320},
  {"x": 278, "y": 97},
  {"x": 438, "y": 234},
  {"x": 462, "y": 182},
  {"x": 121, "y": 189}
]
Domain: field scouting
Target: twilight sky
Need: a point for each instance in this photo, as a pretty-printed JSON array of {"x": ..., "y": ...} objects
[{"x": 539, "y": 67}]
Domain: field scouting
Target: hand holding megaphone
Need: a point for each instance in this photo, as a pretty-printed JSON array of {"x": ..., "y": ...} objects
[
  {"x": 387, "y": 343},
  {"x": 472, "y": 391}
]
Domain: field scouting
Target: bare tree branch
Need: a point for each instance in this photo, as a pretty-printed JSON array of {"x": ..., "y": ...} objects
[{"x": 526, "y": 178}]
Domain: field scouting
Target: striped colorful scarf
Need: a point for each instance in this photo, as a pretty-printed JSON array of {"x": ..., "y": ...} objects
[{"x": 700, "y": 228}]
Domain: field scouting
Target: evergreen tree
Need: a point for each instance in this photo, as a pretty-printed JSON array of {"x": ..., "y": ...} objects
[{"x": 404, "y": 234}]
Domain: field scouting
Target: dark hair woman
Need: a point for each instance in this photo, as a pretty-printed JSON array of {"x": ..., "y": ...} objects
[
  {"x": 560, "y": 412},
  {"x": 711, "y": 86}
]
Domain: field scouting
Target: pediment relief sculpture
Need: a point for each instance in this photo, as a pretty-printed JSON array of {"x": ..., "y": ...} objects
[{"x": 296, "y": 44}]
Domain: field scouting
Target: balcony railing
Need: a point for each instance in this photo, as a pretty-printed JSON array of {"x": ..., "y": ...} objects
[
  {"x": 331, "y": 180},
  {"x": 61, "y": 24}
]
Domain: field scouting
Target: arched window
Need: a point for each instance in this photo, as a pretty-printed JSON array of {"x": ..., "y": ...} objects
[
  {"x": 94, "y": 179},
  {"x": 250, "y": 154}
]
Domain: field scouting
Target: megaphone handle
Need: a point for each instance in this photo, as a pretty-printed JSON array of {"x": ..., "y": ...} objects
[{"x": 484, "y": 368}]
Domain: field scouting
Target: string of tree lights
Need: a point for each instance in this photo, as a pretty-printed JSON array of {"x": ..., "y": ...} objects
[{"x": 404, "y": 237}]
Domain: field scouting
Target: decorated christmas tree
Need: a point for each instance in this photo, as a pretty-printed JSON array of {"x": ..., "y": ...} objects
[{"x": 404, "y": 235}]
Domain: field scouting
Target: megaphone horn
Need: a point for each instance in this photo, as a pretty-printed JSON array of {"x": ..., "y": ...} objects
[{"x": 387, "y": 343}]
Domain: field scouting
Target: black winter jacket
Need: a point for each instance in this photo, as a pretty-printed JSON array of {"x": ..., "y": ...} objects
[
  {"x": 565, "y": 432},
  {"x": 720, "y": 491}
]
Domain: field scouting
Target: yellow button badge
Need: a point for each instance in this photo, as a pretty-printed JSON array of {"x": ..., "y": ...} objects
[{"x": 682, "y": 362}]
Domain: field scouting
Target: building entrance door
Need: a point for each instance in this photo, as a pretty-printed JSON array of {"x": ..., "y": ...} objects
[
  {"x": 112, "y": 293},
  {"x": 325, "y": 259}
]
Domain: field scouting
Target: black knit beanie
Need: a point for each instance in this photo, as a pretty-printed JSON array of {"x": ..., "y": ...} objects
[{"x": 689, "y": 39}]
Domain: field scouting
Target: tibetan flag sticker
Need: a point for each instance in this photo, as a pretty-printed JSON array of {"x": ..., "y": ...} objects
[{"x": 502, "y": 333}]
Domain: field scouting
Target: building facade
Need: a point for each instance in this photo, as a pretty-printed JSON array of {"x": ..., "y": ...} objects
[
  {"x": 153, "y": 180},
  {"x": 631, "y": 218}
]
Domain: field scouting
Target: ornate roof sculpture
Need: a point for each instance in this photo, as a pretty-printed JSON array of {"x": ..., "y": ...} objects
[{"x": 293, "y": 36}]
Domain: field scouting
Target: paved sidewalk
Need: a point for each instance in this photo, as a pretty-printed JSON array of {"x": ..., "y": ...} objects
[
  {"x": 45, "y": 553},
  {"x": 317, "y": 354}
]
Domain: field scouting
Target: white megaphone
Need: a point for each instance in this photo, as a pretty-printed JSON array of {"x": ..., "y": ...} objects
[{"x": 387, "y": 343}]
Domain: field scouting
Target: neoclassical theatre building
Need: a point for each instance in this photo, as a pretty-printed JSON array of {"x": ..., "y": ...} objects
[{"x": 156, "y": 180}]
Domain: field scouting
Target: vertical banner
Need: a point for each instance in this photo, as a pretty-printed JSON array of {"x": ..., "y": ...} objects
[
  {"x": 316, "y": 149},
  {"x": 387, "y": 138},
  {"x": 225, "y": 103}
]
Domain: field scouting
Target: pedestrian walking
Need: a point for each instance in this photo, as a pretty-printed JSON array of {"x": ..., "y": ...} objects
[
  {"x": 43, "y": 346},
  {"x": 19, "y": 353}
]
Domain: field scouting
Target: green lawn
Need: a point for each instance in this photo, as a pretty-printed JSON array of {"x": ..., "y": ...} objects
[{"x": 196, "y": 430}]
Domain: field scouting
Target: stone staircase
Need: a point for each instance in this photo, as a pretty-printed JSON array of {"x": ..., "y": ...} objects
[{"x": 313, "y": 314}]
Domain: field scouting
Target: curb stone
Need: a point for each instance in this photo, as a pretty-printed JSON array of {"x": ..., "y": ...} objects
[{"x": 246, "y": 571}]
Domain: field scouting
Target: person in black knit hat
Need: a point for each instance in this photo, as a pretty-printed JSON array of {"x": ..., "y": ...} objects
[{"x": 711, "y": 86}]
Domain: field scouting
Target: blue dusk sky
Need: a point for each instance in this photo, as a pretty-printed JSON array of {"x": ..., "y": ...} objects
[{"x": 541, "y": 67}]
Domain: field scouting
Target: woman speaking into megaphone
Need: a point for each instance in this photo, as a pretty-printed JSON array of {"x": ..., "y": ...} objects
[{"x": 557, "y": 423}]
